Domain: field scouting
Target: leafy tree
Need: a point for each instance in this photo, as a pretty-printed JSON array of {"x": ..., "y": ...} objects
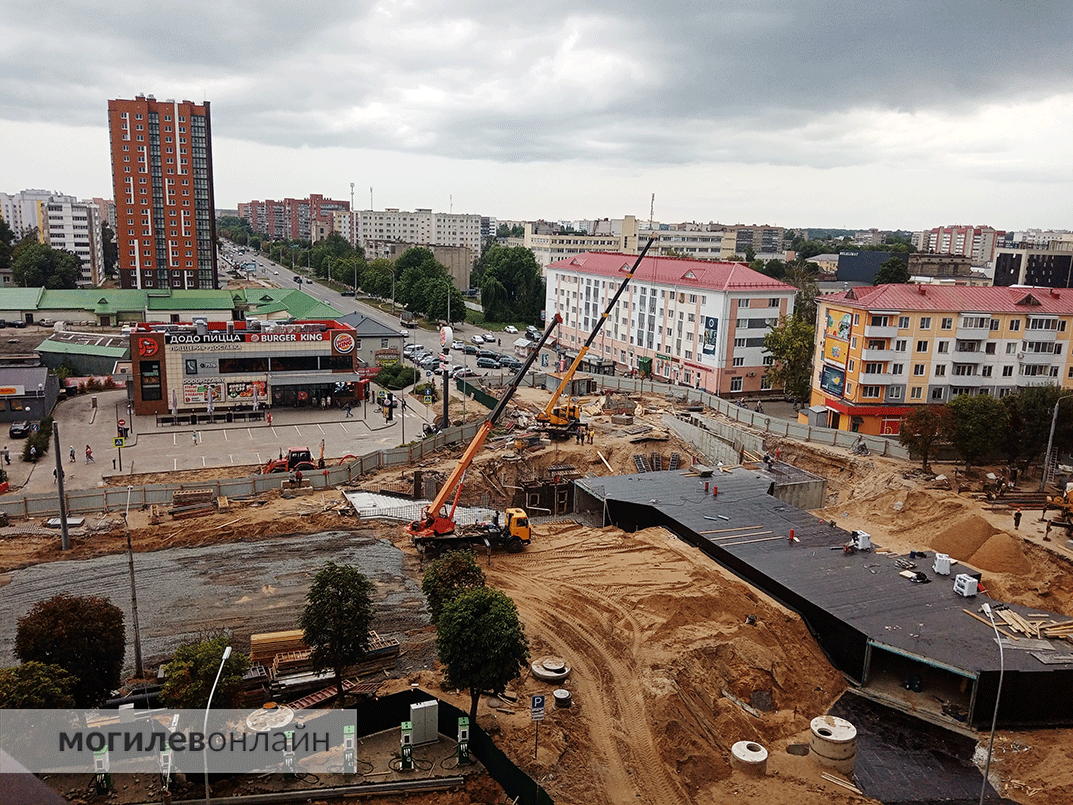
[
  {"x": 110, "y": 248},
  {"x": 35, "y": 686},
  {"x": 7, "y": 240},
  {"x": 481, "y": 643},
  {"x": 921, "y": 428},
  {"x": 750, "y": 254},
  {"x": 774, "y": 268},
  {"x": 512, "y": 285},
  {"x": 893, "y": 271},
  {"x": 448, "y": 576},
  {"x": 38, "y": 265},
  {"x": 336, "y": 619},
  {"x": 193, "y": 669},
  {"x": 1030, "y": 412},
  {"x": 974, "y": 422},
  {"x": 802, "y": 275},
  {"x": 377, "y": 277},
  {"x": 513, "y": 231},
  {"x": 396, "y": 377},
  {"x": 791, "y": 343},
  {"x": 84, "y": 635}
]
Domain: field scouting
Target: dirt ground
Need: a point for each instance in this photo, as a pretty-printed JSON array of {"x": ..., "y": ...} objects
[{"x": 657, "y": 635}]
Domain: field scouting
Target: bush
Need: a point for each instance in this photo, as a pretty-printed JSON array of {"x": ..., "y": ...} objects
[
  {"x": 41, "y": 439},
  {"x": 427, "y": 388},
  {"x": 396, "y": 377}
]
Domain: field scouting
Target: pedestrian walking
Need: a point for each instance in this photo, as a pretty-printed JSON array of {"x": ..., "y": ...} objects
[
  {"x": 194, "y": 436},
  {"x": 62, "y": 475},
  {"x": 89, "y": 454},
  {"x": 1047, "y": 532},
  {"x": 33, "y": 453},
  {"x": 72, "y": 454},
  {"x": 7, "y": 455},
  {"x": 592, "y": 433},
  {"x": 269, "y": 419},
  {"x": 349, "y": 410},
  {"x": 1016, "y": 519}
]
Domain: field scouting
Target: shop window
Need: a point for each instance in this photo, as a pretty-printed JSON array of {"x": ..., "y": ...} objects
[{"x": 150, "y": 381}]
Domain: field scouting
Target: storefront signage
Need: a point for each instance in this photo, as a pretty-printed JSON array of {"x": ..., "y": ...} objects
[
  {"x": 832, "y": 380},
  {"x": 195, "y": 393},
  {"x": 187, "y": 339},
  {"x": 202, "y": 338},
  {"x": 343, "y": 343},
  {"x": 243, "y": 390},
  {"x": 278, "y": 338}
]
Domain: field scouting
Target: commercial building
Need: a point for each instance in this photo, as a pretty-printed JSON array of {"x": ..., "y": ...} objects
[
  {"x": 1049, "y": 266},
  {"x": 882, "y": 349},
  {"x": 165, "y": 205},
  {"x": 239, "y": 367},
  {"x": 27, "y": 393},
  {"x": 691, "y": 322},
  {"x": 74, "y": 227}
]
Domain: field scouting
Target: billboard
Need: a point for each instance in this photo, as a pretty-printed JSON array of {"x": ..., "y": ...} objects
[
  {"x": 832, "y": 380},
  {"x": 198, "y": 393},
  {"x": 711, "y": 335},
  {"x": 837, "y": 324},
  {"x": 242, "y": 391},
  {"x": 834, "y": 351}
]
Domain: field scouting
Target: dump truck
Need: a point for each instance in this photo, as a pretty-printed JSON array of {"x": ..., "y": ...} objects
[{"x": 436, "y": 530}]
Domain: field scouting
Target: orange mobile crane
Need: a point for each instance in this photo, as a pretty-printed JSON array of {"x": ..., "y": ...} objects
[
  {"x": 436, "y": 528},
  {"x": 562, "y": 421}
]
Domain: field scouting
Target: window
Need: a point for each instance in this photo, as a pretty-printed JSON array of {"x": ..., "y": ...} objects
[
  {"x": 925, "y": 322},
  {"x": 994, "y": 324},
  {"x": 918, "y": 369},
  {"x": 903, "y": 322},
  {"x": 739, "y": 361},
  {"x": 964, "y": 369},
  {"x": 899, "y": 345},
  {"x": 894, "y": 393},
  {"x": 876, "y": 344},
  {"x": 852, "y": 365},
  {"x": 943, "y": 347},
  {"x": 150, "y": 381},
  {"x": 739, "y": 342},
  {"x": 1011, "y": 348},
  {"x": 856, "y": 319},
  {"x": 880, "y": 321},
  {"x": 974, "y": 322},
  {"x": 897, "y": 368},
  {"x": 870, "y": 392},
  {"x": 771, "y": 302},
  {"x": 916, "y": 392},
  {"x": 940, "y": 370},
  {"x": 989, "y": 347},
  {"x": 735, "y": 384},
  {"x": 874, "y": 368},
  {"x": 922, "y": 346},
  {"x": 947, "y": 323},
  {"x": 1015, "y": 325},
  {"x": 937, "y": 394},
  {"x": 985, "y": 371},
  {"x": 853, "y": 342}
]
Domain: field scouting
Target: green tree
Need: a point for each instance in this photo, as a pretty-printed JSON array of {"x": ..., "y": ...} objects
[
  {"x": 921, "y": 428},
  {"x": 448, "y": 576},
  {"x": 512, "y": 285},
  {"x": 894, "y": 271},
  {"x": 36, "y": 686},
  {"x": 193, "y": 669},
  {"x": 790, "y": 343},
  {"x": 84, "y": 635},
  {"x": 1030, "y": 411},
  {"x": 7, "y": 241},
  {"x": 38, "y": 265},
  {"x": 802, "y": 275},
  {"x": 481, "y": 643},
  {"x": 975, "y": 420},
  {"x": 378, "y": 276},
  {"x": 336, "y": 619},
  {"x": 110, "y": 248}
]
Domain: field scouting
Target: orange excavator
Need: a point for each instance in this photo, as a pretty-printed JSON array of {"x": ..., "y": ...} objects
[
  {"x": 563, "y": 421},
  {"x": 436, "y": 529}
]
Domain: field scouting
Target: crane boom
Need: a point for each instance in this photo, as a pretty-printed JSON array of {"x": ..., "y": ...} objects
[
  {"x": 433, "y": 519},
  {"x": 545, "y": 416}
]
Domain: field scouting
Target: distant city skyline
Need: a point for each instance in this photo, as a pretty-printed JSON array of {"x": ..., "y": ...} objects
[{"x": 825, "y": 113}]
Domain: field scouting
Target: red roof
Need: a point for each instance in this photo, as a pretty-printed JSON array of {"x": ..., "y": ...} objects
[
  {"x": 717, "y": 276},
  {"x": 958, "y": 298}
]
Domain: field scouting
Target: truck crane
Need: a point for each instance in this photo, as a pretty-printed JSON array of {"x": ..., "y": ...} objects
[
  {"x": 562, "y": 421},
  {"x": 436, "y": 529}
]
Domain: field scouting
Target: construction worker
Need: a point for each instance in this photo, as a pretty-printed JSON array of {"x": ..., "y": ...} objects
[{"x": 1016, "y": 519}]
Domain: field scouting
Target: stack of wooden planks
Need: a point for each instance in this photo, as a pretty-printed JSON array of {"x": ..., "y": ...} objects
[
  {"x": 1038, "y": 627},
  {"x": 189, "y": 497},
  {"x": 264, "y": 646}
]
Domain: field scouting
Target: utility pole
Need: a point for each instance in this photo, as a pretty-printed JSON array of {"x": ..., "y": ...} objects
[
  {"x": 133, "y": 592},
  {"x": 65, "y": 539}
]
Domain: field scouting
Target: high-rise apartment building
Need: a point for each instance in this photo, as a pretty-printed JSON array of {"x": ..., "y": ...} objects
[
  {"x": 975, "y": 242},
  {"x": 74, "y": 227},
  {"x": 19, "y": 210},
  {"x": 162, "y": 175},
  {"x": 292, "y": 218}
]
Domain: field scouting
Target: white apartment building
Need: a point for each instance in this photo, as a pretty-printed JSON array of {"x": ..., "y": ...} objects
[
  {"x": 690, "y": 322},
  {"x": 549, "y": 248},
  {"x": 74, "y": 227},
  {"x": 376, "y": 230},
  {"x": 20, "y": 209},
  {"x": 975, "y": 242}
]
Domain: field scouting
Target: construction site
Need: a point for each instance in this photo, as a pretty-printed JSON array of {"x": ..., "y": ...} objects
[{"x": 675, "y": 652}]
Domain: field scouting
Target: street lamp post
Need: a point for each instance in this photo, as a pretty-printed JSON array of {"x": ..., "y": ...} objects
[
  {"x": 1050, "y": 442},
  {"x": 205, "y": 724},
  {"x": 998, "y": 693}
]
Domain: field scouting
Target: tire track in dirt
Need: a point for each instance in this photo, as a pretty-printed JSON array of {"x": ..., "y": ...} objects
[{"x": 605, "y": 670}]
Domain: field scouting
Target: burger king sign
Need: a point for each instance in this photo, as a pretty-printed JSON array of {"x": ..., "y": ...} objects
[{"x": 343, "y": 343}]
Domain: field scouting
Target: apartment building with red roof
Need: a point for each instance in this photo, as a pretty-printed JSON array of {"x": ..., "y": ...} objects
[
  {"x": 697, "y": 323},
  {"x": 881, "y": 350}
]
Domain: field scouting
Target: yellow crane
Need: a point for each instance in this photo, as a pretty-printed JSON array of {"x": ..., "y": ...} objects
[{"x": 562, "y": 421}]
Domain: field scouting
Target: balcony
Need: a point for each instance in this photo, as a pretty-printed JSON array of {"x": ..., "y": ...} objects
[
  {"x": 880, "y": 355},
  {"x": 890, "y": 331},
  {"x": 1040, "y": 335},
  {"x": 880, "y": 379}
]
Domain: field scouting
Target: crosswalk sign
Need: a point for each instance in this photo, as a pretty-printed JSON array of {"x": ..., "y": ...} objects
[{"x": 119, "y": 441}]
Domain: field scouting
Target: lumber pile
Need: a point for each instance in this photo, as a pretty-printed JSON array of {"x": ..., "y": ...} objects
[
  {"x": 1037, "y": 626},
  {"x": 191, "y": 497},
  {"x": 266, "y": 645}
]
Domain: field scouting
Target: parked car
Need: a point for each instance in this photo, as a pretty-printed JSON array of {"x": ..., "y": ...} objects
[
  {"x": 510, "y": 328},
  {"x": 346, "y": 293},
  {"x": 487, "y": 353},
  {"x": 467, "y": 374},
  {"x": 458, "y": 344},
  {"x": 508, "y": 362},
  {"x": 476, "y": 339},
  {"x": 469, "y": 349},
  {"x": 409, "y": 349},
  {"x": 19, "y": 430},
  {"x": 487, "y": 363}
]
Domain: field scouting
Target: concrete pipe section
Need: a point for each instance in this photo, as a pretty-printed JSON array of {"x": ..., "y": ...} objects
[
  {"x": 551, "y": 669},
  {"x": 562, "y": 698},
  {"x": 749, "y": 756},
  {"x": 833, "y": 743}
]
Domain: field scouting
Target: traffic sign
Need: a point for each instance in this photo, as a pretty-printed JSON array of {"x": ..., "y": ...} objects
[
  {"x": 428, "y": 399},
  {"x": 537, "y": 706},
  {"x": 122, "y": 423},
  {"x": 119, "y": 441}
]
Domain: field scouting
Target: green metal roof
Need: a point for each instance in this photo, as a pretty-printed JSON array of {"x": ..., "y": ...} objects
[
  {"x": 97, "y": 300},
  {"x": 67, "y": 348},
  {"x": 193, "y": 300},
  {"x": 20, "y": 298},
  {"x": 298, "y": 304}
]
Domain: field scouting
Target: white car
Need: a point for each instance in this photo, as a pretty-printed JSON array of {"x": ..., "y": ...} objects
[
  {"x": 510, "y": 328},
  {"x": 476, "y": 339},
  {"x": 458, "y": 344}
]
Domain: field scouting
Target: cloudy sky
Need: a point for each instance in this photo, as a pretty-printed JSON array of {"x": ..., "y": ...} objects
[{"x": 841, "y": 113}]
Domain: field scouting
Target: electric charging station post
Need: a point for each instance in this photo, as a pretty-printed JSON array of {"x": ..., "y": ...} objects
[{"x": 537, "y": 710}]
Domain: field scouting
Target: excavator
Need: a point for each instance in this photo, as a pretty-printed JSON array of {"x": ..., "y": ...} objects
[
  {"x": 563, "y": 421},
  {"x": 436, "y": 529}
]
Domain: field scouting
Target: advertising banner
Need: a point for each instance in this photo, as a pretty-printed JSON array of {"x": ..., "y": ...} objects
[
  {"x": 833, "y": 380},
  {"x": 247, "y": 390},
  {"x": 711, "y": 335},
  {"x": 198, "y": 393},
  {"x": 837, "y": 324},
  {"x": 834, "y": 351}
]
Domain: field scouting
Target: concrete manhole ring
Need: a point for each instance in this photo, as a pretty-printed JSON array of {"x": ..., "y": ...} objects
[{"x": 551, "y": 669}]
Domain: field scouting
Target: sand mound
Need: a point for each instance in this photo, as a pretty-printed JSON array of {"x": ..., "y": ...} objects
[
  {"x": 964, "y": 537},
  {"x": 1000, "y": 554}
]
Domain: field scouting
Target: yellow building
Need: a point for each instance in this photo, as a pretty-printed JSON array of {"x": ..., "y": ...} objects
[{"x": 881, "y": 350}]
